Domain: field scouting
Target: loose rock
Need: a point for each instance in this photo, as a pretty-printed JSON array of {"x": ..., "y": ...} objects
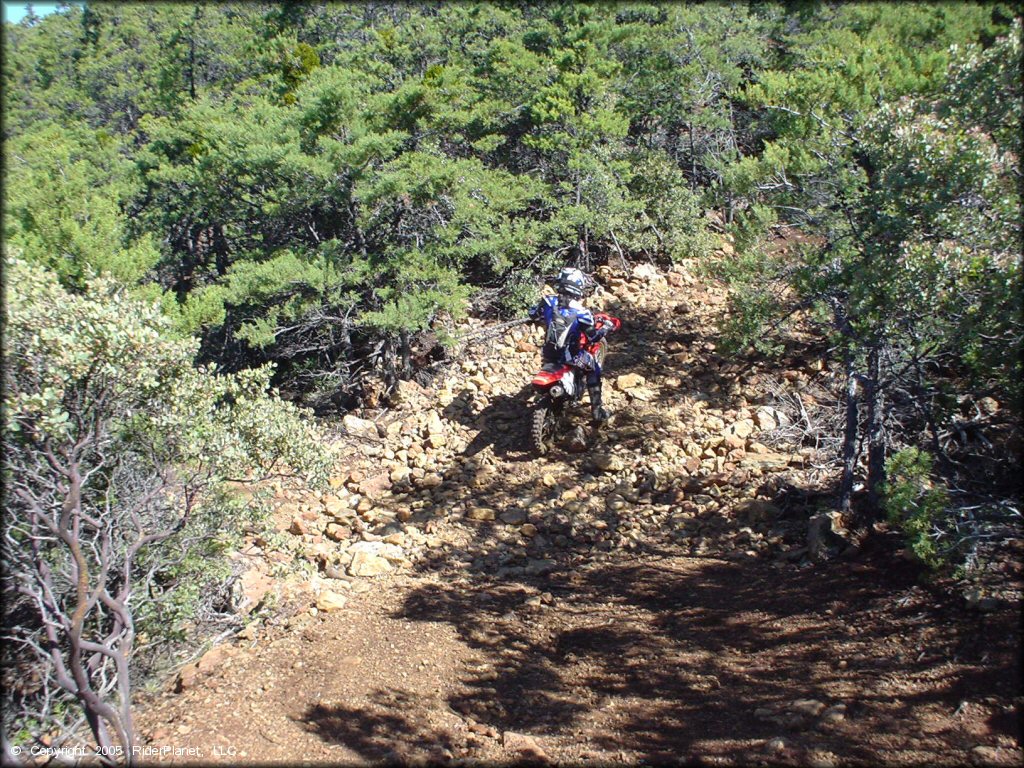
[
  {"x": 524, "y": 744},
  {"x": 482, "y": 514},
  {"x": 359, "y": 427},
  {"x": 629, "y": 381},
  {"x": 330, "y": 601}
]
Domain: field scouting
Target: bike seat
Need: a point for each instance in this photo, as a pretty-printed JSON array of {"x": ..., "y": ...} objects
[{"x": 551, "y": 367}]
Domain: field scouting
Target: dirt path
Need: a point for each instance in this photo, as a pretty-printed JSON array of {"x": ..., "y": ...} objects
[
  {"x": 650, "y": 599},
  {"x": 646, "y": 659}
]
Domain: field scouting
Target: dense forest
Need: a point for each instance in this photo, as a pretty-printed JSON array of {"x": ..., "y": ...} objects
[{"x": 223, "y": 221}]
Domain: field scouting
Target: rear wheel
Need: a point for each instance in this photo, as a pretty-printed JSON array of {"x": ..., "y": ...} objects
[{"x": 542, "y": 428}]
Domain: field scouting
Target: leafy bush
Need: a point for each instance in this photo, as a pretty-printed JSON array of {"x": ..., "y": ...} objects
[
  {"x": 750, "y": 313},
  {"x": 914, "y": 503},
  {"x": 117, "y": 446},
  {"x": 66, "y": 191},
  {"x": 754, "y": 300}
]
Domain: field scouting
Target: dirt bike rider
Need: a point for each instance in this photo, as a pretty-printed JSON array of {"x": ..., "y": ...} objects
[{"x": 565, "y": 319}]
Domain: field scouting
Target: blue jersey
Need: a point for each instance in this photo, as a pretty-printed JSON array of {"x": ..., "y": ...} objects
[{"x": 564, "y": 325}]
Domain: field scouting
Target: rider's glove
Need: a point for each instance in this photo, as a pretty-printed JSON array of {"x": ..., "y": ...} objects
[{"x": 583, "y": 360}]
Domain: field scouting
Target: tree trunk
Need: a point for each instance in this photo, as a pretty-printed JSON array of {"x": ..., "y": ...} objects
[
  {"x": 693, "y": 159},
  {"x": 849, "y": 439},
  {"x": 875, "y": 431},
  {"x": 192, "y": 67},
  {"x": 583, "y": 258},
  {"x": 618, "y": 249},
  {"x": 582, "y": 251},
  {"x": 389, "y": 357},
  {"x": 197, "y": 15},
  {"x": 406, "y": 354}
]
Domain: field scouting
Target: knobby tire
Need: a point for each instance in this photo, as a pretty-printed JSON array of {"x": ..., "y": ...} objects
[{"x": 542, "y": 428}]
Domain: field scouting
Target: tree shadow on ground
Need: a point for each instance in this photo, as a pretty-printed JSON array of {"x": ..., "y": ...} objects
[
  {"x": 660, "y": 655},
  {"x": 686, "y": 659},
  {"x": 494, "y": 469},
  {"x": 503, "y": 424},
  {"x": 381, "y": 733}
]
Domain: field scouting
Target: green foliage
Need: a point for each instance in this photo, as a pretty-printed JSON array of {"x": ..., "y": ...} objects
[
  {"x": 750, "y": 312},
  {"x": 433, "y": 222},
  {"x": 288, "y": 170},
  {"x": 667, "y": 218},
  {"x": 262, "y": 168},
  {"x": 915, "y": 504},
  {"x": 184, "y": 585},
  {"x": 418, "y": 290},
  {"x": 67, "y": 188},
  {"x": 74, "y": 359},
  {"x": 755, "y": 312},
  {"x": 942, "y": 229},
  {"x": 984, "y": 89},
  {"x": 39, "y": 72},
  {"x": 118, "y": 446},
  {"x": 922, "y": 256},
  {"x": 835, "y": 65},
  {"x": 751, "y": 226}
]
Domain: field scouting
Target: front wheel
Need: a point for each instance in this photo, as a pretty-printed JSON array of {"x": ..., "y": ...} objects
[{"x": 542, "y": 428}]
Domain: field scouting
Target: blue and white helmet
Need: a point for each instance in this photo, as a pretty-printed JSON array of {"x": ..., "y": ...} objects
[{"x": 571, "y": 282}]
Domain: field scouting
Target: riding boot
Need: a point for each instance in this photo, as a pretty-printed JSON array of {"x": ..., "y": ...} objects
[{"x": 598, "y": 414}]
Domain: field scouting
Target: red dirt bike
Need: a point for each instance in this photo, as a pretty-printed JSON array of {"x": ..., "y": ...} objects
[{"x": 557, "y": 386}]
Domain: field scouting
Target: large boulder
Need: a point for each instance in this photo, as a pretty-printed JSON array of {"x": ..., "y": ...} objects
[
  {"x": 335, "y": 506},
  {"x": 576, "y": 441},
  {"x": 645, "y": 272},
  {"x": 524, "y": 745},
  {"x": 434, "y": 426},
  {"x": 766, "y": 419},
  {"x": 606, "y": 462},
  {"x": 337, "y": 532},
  {"x": 481, "y": 514},
  {"x": 825, "y": 533},
  {"x": 368, "y": 564}
]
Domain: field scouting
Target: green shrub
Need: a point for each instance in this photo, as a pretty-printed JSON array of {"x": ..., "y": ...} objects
[
  {"x": 915, "y": 504},
  {"x": 117, "y": 449}
]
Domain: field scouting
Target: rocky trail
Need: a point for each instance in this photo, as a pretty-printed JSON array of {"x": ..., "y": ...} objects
[{"x": 671, "y": 588}]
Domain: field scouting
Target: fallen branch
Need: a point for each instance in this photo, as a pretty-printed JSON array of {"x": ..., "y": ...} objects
[{"x": 483, "y": 334}]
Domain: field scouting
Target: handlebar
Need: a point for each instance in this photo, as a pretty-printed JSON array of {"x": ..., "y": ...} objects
[{"x": 602, "y": 319}]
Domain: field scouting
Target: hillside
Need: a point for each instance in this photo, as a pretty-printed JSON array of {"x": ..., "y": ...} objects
[
  {"x": 648, "y": 596},
  {"x": 266, "y": 378}
]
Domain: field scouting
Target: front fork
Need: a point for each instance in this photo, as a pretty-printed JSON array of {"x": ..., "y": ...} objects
[{"x": 541, "y": 398}]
